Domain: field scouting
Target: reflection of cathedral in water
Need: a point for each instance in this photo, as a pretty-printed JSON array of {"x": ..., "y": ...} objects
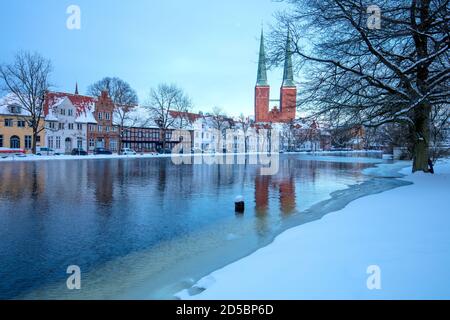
[{"x": 285, "y": 186}]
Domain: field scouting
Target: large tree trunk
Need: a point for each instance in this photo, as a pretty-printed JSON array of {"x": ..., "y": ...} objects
[
  {"x": 119, "y": 138},
  {"x": 34, "y": 142},
  {"x": 422, "y": 138},
  {"x": 163, "y": 140}
]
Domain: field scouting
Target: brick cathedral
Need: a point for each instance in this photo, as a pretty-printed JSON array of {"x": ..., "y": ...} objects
[{"x": 275, "y": 111}]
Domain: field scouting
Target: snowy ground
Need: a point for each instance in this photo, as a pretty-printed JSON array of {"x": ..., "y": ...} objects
[
  {"x": 404, "y": 232},
  {"x": 31, "y": 157}
]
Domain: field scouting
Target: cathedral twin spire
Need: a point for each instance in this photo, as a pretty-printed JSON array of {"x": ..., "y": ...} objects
[
  {"x": 288, "y": 73},
  {"x": 262, "y": 69}
]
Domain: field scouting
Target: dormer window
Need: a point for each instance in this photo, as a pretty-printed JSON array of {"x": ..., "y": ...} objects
[{"x": 15, "y": 108}]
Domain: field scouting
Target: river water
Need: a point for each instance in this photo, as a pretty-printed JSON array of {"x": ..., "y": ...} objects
[{"x": 146, "y": 228}]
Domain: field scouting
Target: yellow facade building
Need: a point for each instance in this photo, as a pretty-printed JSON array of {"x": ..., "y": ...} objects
[{"x": 15, "y": 131}]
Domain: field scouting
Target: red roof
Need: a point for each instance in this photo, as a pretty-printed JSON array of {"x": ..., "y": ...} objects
[
  {"x": 82, "y": 103},
  {"x": 190, "y": 116}
]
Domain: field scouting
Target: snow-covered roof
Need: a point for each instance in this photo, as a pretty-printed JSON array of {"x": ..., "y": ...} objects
[
  {"x": 12, "y": 100},
  {"x": 84, "y": 105},
  {"x": 51, "y": 116},
  {"x": 85, "y": 117}
]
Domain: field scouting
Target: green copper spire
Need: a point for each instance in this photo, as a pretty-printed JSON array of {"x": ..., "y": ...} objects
[
  {"x": 262, "y": 70},
  {"x": 288, "y": 74}
]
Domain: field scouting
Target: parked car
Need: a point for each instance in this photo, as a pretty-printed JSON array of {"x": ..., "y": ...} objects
[
  {"x": 5, "y": 152},
  {"x": 44, "y": 151},
  {"x": 165, "y": 151},
  {"x": 79, "y": 152},
  {"x": 102, "y": 151},
  {"x": 127, "y": 152}
]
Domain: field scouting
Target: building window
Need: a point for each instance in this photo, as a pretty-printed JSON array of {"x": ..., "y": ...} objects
[
  {"x": 113, "y": 144},
  {"x": 38, "y": 139},
  {"x": 21, "y": 123},
  {"x": 91, "y": 143},
  {"x": 100, "y": 128},
  {"x": 114, "y": 129},
  {"x": 80, "y": 143},
  {"x": 61, "y": 126},
  {"x": 1, "y": 141},
  {"x": 70, "y": 112},
  {"x": 63, "y": 112},
  {"x": 107, "y": 129},
  {"x": 100, "y": 116},
  {"x": 155, "y": 135},
  {"x": 91, "y": 128},
  {"x": 8, "y": 122},
  {"x": 14, "y": 142},
  {"x": 52, "y": 125},
  {"x": 107, "y": 116},
  {"x": 70, "y": 126},
  {"x": 79, "y": 126},
  {"x": 58, "y": 142},
  {"x": 28, "y": 142},
  {"x": 50, "y": 142},
  {"x": 15, "y": 108}
]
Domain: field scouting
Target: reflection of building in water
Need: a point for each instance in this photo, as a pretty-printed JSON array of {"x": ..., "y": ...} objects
[
  {"x": 21, "y": 179},
  {"x": 287, "y": 195},
  {"x": 262, "y": 194},
  {"x": 102, "y": 179},
  {"x": 286, "y": 190}
]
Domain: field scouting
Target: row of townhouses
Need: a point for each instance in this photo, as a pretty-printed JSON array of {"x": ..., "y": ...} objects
[{"x": 76, "y": 121}]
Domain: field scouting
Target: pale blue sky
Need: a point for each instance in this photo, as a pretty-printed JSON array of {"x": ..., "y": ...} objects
[{"x": 208, "y": 47}]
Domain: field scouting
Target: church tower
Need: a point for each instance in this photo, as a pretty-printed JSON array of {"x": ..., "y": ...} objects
[
  {"x": 262, "y": 89},
  {"x": 288, "y": 94},
  {"x": 286, "y": 109}
]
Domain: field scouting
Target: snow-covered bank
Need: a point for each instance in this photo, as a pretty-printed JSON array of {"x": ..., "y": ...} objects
[
  {"x": 32, "y": 157},
  {"x": 404, "y": 232}
]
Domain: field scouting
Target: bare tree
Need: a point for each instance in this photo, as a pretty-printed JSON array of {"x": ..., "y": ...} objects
[
  {"x": 27, "y": 78},
  {"x": 245, "y": 124},
  {"x": 289, "y": 135},
  {"x": 341, "y": 137},
  {"x": 440, "y": 121},
  {"x": 162, "y": 102},
  {"x": 220, "y": 122},
  {"x": 125, "y": 101},
  {"x": 182, "y": 112},
  {"x": 366, "y": 71},
  {"x": 396, "y": 135}
]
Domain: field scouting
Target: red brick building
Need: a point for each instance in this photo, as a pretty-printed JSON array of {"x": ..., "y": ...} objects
[
  {"x": 103, "y": 134},
  {"x": 285, "y": 108}
]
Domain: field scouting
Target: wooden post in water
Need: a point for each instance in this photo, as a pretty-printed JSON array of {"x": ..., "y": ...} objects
[{"x": 239, "y": 204}]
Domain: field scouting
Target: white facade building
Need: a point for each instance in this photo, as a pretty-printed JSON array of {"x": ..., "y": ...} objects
[{"x": 66, "y": 122}]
